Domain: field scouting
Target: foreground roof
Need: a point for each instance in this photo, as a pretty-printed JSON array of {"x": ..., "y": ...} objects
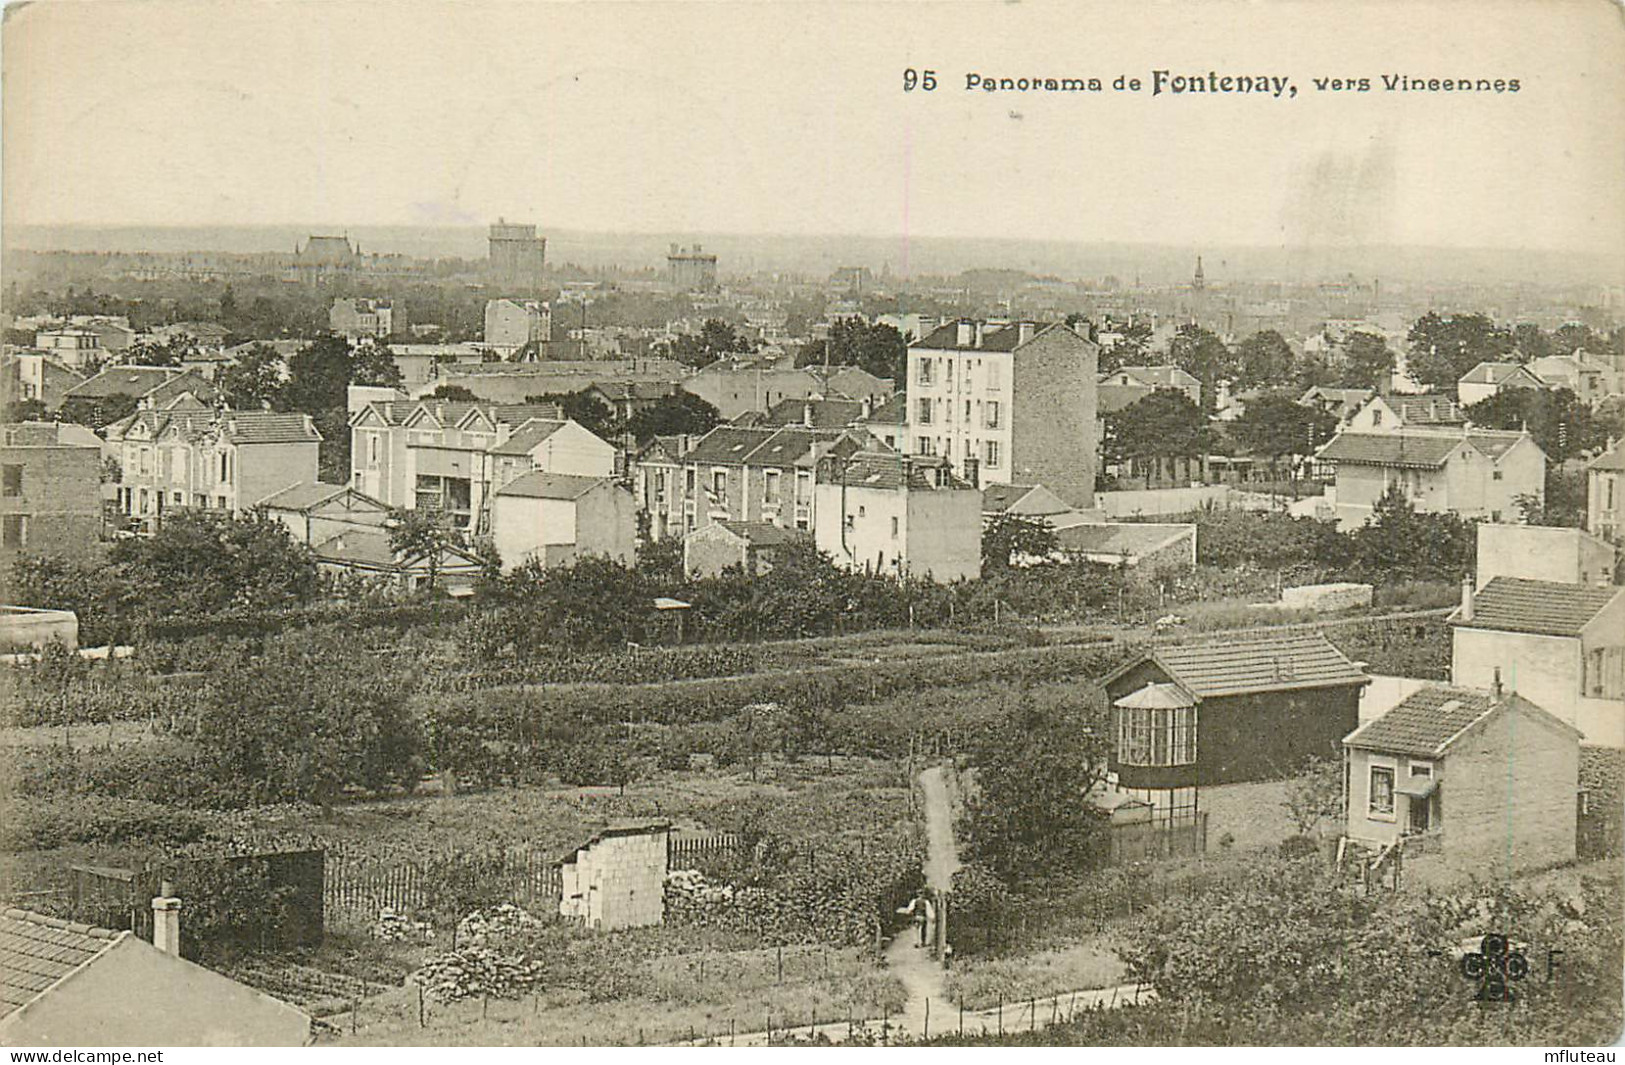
[
  {"x": 527, "y": 436},
  {"x": 540, "y": 484},
  {"x": 1261, "y": 664},
  {"x": 762, "y": 533},
  {"x": 37, "y": 951},
  {"x": 1611, "y": 459},
  {"x": 1429, "y": 721},
  {"x": 1544, "y": 608},
  {"x": 890, "y": 469}
]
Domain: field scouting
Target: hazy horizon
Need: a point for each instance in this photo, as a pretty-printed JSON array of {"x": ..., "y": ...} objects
[{"x": 789, "y": 121}]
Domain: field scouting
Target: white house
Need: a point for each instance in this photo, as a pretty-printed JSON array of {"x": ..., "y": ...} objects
[
  {"x": 556, "y": 518},
  {"x": 899, "y": 515}
]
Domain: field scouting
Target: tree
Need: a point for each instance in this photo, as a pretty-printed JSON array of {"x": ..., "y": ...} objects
[
  {"x": 1368, "y": 362},
  {"x": 1030, "y": 811},
  {"x": 454, "y": 392},
  {"x": 313, "y": 715},
  {"x": 877, "y": 348},
  {"x": 679, "y": 413},
  {"x": 318, "y": 375},
  {"x": 1276, "y": 425},
  {"x": 1530, "y": 342},
  {"x": 585, "y": 409},
  {"x": 1204, "y": 356},
  {"x": 1401, "y": 544},
  {"x": 1007, "y": 536},
  {"x": 1263, "y": 360},
  {"x": 422, "y": 533},
  {"x": 1568, "y": 339},
  {"x": 374, "y": 364},
  {"x": 255, "y": 379},
  {"x": 716, "y": 339},
  {"x": 208, "y": 562},
  {"x": 1561, "y": 424},
  {"x": 1162, "y": 425},
  {"x": 1445, "y": 347},
  {"x": 1315, "y": 795}
]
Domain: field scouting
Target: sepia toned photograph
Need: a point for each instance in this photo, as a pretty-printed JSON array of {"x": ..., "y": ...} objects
[{"x": 529, "y": 523}]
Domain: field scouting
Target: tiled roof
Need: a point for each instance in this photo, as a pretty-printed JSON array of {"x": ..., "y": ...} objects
[
  {"x": 1261, "y": 664},
  {"x": 1155, "y": 697},
  {"x": 124, "y": 380},
  {"x": 998, "y": 498},
  {"x": 37, "y": 951},
  {"x": 527, "y": 436},
  {"x": 1347, "y": 396},
  {"x": 1494, "y": 373},
  {"x": 267, "y": 427},
  {"x": 728, "y": 444},
  {"x": 1546, "y": 608},
  {"x": 887, "y": 469},
  {"x": 1611, "y": 459},
  {"x": 994, "y": 338},
  {"x": 1164, "y": 376},
  {"x": 762, "y": 533},
  {"x": 1427, "y": 722},
  {"x": 892, "y": 412},
  {"x": 540, "y": 484},
  {"x": 1427, "y": 450},
  {"x": 789, "y": 445},
  {"x": 302, "y": 496},
  {"x": 1111, "y": 398},
  {"x": 826, "y": 413},
  {"x": 1427, "y": 410}
]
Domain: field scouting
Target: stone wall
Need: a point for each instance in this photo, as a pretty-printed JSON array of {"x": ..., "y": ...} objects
[{"x": 617, "y": 879}]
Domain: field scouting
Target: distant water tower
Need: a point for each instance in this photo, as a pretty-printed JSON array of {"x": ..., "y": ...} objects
[
  {"x": 1199, "y": 282},
  {"x": 517, "y": 253}
]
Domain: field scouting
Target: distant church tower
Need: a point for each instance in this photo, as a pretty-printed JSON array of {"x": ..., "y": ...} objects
[{"x": 1198, "y": 282}]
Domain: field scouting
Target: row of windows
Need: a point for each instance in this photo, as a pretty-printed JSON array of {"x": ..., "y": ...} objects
[
  {"x": 927, "y": 371},
  {"x": 992, "y": 451},
  {"x": 172, "y": 463},
  {"x": 1156, "y": 736},
  {"x": 925, "y": 412}
]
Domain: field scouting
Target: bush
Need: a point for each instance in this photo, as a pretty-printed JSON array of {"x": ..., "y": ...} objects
[{"x": 48, "y": 823}]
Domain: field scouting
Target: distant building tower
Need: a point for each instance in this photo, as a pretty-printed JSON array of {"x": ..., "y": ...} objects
[
  {"x": 692, "y": 270},
  {"x": 517, "y": 253},
  {"x": 1198, "y": 282},
  {"x": 324, "y": 258}
]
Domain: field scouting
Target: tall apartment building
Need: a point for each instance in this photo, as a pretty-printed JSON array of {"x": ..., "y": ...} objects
[
  {"x": 1007, "y": 404},
  {"x": 516, "y": 252},
  {"x": 511, "y": 324},
  {"x": 692, "y": 269}
]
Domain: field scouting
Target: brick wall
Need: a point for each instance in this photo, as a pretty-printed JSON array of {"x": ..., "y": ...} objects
[
  {"x": 1507, "y": 795},
  {"x": 1052, "y": 417}
]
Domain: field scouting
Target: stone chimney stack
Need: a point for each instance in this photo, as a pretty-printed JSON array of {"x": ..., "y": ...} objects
[
  {"x": 965, "y": 333},
  {"x": 166, "y": 921},
  {"x": 981, "y": 329},
  {"x": 1495, "y": 687},
  {"x": 1026, "y": 331},
  {"x": 1467, "y": 596},
  {"x": 807, "y": 414}
]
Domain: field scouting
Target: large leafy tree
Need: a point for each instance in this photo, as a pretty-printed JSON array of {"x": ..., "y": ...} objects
[
  {"x": 1368, "y": 361},
  {"x": 97, "y": 413},
  {"x": 318, "y": 375},
  {"x": 1029, "y": 811},
  {"x": 1162, "y": 425},
  {"x": 1276, "y": 424},
  {"x": 1401, "y": 543},
  {"x": 1200, "y": 353},
  {"x": 255, "y": 380},
  {"x": 1561, "y": 424},
  {"x": 715, "y": 339},
  {"x": 681, "y": 412},
  {"x": 205, "y": 562},
  {"x": 309, "y": 718},
  {"x": 875, "y": 347},
  {"x": 1264, "y": 360},
  {"x": 1444, "y": 347}
]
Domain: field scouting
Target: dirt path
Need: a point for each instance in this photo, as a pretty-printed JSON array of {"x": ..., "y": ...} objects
[{"x": 918, "y": 969}]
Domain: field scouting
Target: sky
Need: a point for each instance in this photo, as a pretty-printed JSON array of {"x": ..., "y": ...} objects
[{"x": 791, "y": 118}]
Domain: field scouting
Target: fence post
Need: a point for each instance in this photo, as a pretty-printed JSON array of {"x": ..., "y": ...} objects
[{"x": 423, "y": 1019}]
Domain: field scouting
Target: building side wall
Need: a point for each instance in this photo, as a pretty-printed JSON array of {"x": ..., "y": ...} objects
[
  {"x": 1501, "y": 813},
  {"x": 1543, "y": 669},
  {"x": 264, "y": 469},
  {"x": 1052, "y": 415},
  {"x": 521, "y": 527},
  {"x": 61, "y": 498},
  {"x": 942, "y": 535}
]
